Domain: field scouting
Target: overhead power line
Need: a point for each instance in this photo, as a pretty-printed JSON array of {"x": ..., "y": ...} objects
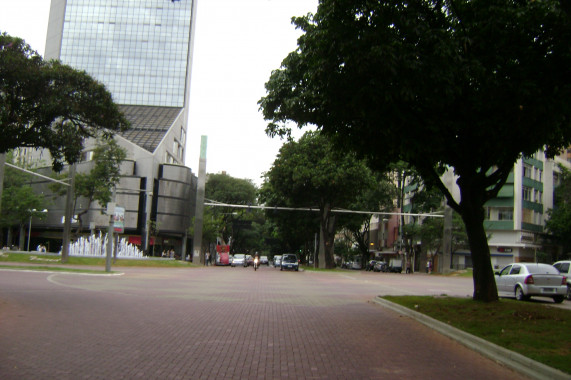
[
  {"x": 219, "y": 204},
  {"x": 36, "y": 174}
]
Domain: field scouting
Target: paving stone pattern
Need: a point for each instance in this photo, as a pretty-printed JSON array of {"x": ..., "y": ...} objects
[{"x": 217, "y": 323}]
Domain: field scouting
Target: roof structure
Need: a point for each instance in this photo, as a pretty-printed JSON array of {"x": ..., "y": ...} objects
[{"x": 149, "y": 124}]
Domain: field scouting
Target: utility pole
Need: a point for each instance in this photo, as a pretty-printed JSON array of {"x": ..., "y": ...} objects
[
  {"x": 68, "y": 215},
  {"x": 444, "y": 264},
  {"x": 2, "y": 162},
  {"x": 199, "y": 213},
  {"x": 110, "y": 231}
]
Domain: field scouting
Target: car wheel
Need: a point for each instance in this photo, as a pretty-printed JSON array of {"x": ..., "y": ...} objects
[
  {"x": 281, "y": 268},
  {"x": 569, "y": 292},
  {"x": 296, "y": 269},
  {"x": 558, "y": 299},
  {"x": 519, "y": 295}
]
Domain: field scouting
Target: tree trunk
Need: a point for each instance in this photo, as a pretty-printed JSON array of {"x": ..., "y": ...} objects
[
  {"x": 10, "y": 238},
  {"x": 327, "y": 227},
  {"x": 22, "y": 237},
  {"x": 484, "y": 283}
]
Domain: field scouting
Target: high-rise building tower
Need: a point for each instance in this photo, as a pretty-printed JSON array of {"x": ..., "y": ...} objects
[{"x": 141, "y": 50}]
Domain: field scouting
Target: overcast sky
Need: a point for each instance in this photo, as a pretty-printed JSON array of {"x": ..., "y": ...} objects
[{"x": 237, "y": 45}]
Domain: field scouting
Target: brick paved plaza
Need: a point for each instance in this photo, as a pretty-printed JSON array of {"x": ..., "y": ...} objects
[{"x": 223, "y": 323}]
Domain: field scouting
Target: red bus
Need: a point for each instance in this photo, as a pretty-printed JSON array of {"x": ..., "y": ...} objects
[{"x": 222, "y": 255}]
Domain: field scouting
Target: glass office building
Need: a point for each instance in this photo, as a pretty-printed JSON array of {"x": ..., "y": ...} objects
[
  {"x": 141, "y": 50},
  {"x": 138, "y": 48}
]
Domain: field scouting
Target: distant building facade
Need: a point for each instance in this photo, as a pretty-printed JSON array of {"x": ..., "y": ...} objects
[
  {"x": 142, "y": 52},
  {"x": 514, "y": 220}
]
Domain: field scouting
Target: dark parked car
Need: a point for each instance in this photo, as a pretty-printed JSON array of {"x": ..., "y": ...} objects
[
  {"x": 370, "y": 265},
  {"x": 249, "y": 260},
  {"x": 290, "y": 261},
  {"x": 380, "y": 266}
]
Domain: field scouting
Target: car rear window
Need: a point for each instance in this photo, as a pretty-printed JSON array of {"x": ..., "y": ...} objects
[{"x": 542, "y": 269}]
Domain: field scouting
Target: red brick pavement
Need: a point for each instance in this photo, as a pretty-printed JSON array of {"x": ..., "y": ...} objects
[{"x": 216, "y": 323}]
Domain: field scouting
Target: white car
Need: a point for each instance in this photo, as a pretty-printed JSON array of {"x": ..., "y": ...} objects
[
  {"x": 564, "y": 267},
  {"x": 239, "y": 259},
  {"x": 277, "y": 261},
  {"x": 524, "y": 280}
]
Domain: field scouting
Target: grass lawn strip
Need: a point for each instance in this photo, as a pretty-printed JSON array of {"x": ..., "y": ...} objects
[
  {"x": 536, "y": 331},
  {"x": 91, "y": 261},
  {"x": 55, "y": 269}
]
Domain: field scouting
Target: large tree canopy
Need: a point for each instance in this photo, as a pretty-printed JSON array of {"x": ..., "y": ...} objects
[
  {"x": 466, "y": 84},
  {"x": 45, "y": 104}
]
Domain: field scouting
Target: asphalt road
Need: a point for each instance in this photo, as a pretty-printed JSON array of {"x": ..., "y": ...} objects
[{"x": 226, "y": 323}]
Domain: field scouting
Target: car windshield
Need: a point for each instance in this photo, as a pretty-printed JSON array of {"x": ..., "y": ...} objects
[
  {"x": 289, "y": 259},
  {"x": 541, "y": 269},
  {"x": 239, "y": 257}
]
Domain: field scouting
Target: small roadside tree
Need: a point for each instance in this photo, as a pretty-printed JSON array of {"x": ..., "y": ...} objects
[
  {"x": 19, "y": 202},
  {"x": 98, "y": 183},
  {"x": 210, "y": 229}
]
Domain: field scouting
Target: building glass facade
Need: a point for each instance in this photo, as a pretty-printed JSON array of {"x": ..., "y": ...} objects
[
  {"x": 138, "y": 48},
  {"x": 141, "y": 50}
]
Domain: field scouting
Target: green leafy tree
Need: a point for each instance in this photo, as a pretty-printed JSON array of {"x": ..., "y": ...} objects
[
  {"x": 311, "y": 173},
  {"x": 424, "y": 200},
  {"x": 558, "y": 225},
  {"x": 380, "y": 197},
  {"x": 464, "y": 84},
  {"x": 19, "y": 202},
  {"x": 97, "y": 184},
  {"x": 287, "y": 231},
  {"x": 46, "y": 104},
  {"x": 403, "y": 175},
  {"x": 211, "y": 227},
  {"x": 430, "y": 233},
  {"x": 226, "y": 189},
  {"x": 249, "y": 233}
]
